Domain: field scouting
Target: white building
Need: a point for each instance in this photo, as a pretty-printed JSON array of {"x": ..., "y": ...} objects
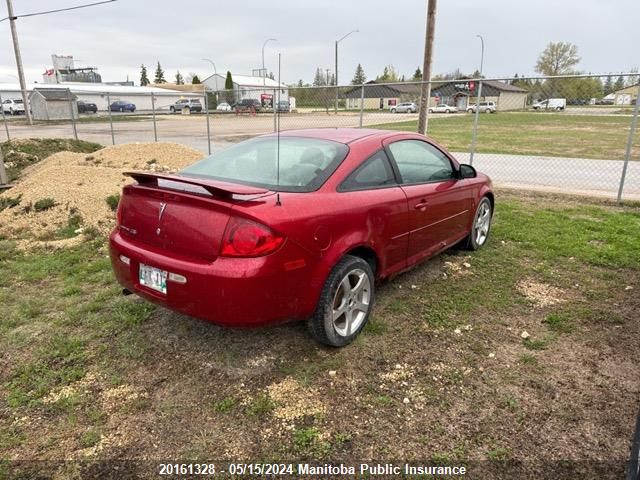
[
  {"x": 102, "y": 94},
  {"x": 246, "y": 86}
]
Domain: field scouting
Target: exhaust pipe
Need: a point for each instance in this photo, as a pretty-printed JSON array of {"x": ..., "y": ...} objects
[{"x": 126, "y": 292}]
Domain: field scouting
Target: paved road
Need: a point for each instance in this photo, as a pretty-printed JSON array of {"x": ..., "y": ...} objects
[{"x": 572, "y": 175}]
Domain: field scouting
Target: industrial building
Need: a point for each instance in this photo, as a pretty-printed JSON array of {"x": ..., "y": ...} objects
[
  {"x": 104, "y": 94},
  {"x": 246, "y": 86}
]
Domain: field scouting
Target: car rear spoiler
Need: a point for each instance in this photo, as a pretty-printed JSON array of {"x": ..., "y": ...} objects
[{"x": 214, "y": 187}]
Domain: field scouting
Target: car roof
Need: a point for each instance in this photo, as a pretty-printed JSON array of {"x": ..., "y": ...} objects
[{"x": 340, "y": 135}]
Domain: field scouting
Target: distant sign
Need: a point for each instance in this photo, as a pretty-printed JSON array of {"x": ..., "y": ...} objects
[
  {"x": 266, "y": 99},
  {"x": 465, "y": 86}
]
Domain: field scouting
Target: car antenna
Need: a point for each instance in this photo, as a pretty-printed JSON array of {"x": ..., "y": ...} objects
[{"x": 275, "y": 104}]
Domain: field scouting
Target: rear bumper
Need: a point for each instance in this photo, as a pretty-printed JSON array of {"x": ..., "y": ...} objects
[{"x": 238, "y": 292}]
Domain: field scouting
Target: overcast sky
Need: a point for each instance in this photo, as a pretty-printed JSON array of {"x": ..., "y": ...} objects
[{"x": 119, "y": 36}]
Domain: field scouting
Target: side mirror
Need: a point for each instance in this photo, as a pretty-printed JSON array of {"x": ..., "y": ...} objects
[{"x": 467, "y": 171}]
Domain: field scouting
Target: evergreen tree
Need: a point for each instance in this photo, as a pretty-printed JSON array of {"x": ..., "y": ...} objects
[
  {"x": 359, "y": 77},
  {"x": 300, "y": 83},
  {"x": 417, "y": 75},
  {"x": 228, "y": 83},
  {"x": 195, "y": 80},
  {"x": 159, "y": 78},
  {"x": 608, "y": 85},
  {"x": 319, "y": 78},
  {"x": 144, "y": 79},
  {"x": 389, "y": 75},
  {"x": 179, "y": 78},
  {"x": 619, "y": 85}
]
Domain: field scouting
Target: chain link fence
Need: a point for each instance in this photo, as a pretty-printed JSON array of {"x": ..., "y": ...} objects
[{"x": 571, "y": 134}]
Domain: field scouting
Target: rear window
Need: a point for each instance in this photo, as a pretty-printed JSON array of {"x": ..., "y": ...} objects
[
  {"x": 18, "y": 101},
  {"x": 305, "y": 163}
]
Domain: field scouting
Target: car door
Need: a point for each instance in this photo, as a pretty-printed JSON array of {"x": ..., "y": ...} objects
[
  {"x": 438, "y": 202},
  {"x": 372, "y": 188}
]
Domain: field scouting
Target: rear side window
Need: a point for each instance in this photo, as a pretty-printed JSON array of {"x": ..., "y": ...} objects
[
  {"x": 292, "y": 164},
  {"x": 420, "y": 162},
  {"x": 375, "y": 172}
]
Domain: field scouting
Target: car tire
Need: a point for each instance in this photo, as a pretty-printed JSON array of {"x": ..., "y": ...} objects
[
  {"x": 447, "y": 111},
  {"x": 351, "y": 285},
  {"x": 481, "y": 226},
  {"x": 172, "y": 109},
  {"x": 430, "y": 110},
  {"x": 633, "y": 468},
  {"x": 393, "y": 110}
]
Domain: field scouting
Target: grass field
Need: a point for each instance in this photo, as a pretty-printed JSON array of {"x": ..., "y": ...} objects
[
  {"x": 526, "y": 350},
  {"x": 547, "y": 134}
]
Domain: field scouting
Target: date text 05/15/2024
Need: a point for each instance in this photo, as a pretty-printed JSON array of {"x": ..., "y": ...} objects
[{"x": 386, "y": 469}]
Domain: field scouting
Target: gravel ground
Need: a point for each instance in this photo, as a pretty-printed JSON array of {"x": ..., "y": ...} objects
[{"x": 79, "y": 185}]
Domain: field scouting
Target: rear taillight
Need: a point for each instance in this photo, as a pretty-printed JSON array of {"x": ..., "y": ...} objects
[{"x": 244, "y": 238}]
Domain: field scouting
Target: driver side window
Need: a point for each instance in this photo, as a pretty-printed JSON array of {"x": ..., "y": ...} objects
[{"x": 420, "y": 162}]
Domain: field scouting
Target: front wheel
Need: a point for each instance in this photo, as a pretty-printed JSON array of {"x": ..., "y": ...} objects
[
  {"x": 393, "y": 110},
  {"x": 431, "y": 110},
  {"x": 172, "y": 109},
  {"x": 481, "y": 226},
  {"x": 345, "y": 303}
]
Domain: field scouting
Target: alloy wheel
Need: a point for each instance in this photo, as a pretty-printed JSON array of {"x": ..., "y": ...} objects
[
  {"x": 482, "y": 223},
  {"x": 351, "y": 302}
]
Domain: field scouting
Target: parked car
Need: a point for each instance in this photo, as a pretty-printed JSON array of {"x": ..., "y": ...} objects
[
  {"x": 483, "y": 107},
  {"x": 86, "y": 107},
  {"x": 13, "y": 107},
  {"x": 223, "y": 107},
  {"x": 556, "y": 104},
  {"x": 443, "y": 108},
  {"x": 406, "y": 107},
  {"x": 244, "y": 239},
  {"x": 191, "y": 104},
  {"x": 283, "y": 106},
  {"x": 248, "y": 105},
  {"x": 605, "y": 101},
  {"x": 122, "y": 106}
]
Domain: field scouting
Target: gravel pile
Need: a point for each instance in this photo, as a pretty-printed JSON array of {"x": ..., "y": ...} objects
[{"x": 79, "y": 184}]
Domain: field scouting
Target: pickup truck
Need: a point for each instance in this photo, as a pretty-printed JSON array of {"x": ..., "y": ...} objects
[
  {"x": 556, "y": 104},
  {"x": 248, "y": 105}
]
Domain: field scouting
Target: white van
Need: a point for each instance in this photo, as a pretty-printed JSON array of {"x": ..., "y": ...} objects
[{"x": 556, "y": 104}]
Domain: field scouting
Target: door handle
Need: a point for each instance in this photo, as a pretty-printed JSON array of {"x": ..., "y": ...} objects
[{"x": 422, "y": 205}]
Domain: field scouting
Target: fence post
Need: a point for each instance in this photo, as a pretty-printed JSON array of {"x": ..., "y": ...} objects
[
  {"x": 275, "y": 113},
  {"x": 4, "y": 119},
  {"x": 361, "y": 103},
  {"x": 113, "y": 138},
  {"x": 206, "y": 109},
  {"x": 627, "y": 153},
  {"x": 3, "y": 172},
  {"x": 73, "y": 117},
  {"x": 153, "y": 112},
  {"x": 474, "y": 135}
]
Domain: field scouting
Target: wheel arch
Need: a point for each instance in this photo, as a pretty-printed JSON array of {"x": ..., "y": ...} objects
[{"x": 367, "y": 253}]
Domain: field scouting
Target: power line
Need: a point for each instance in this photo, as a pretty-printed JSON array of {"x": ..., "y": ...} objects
[{"x": 15, "y": 17}]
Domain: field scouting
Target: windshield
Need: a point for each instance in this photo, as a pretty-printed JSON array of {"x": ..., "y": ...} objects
[{"x": 305, "y": 163}]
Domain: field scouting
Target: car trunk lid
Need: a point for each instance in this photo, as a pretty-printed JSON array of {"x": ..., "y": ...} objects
[{"x": 183, "y": 216}]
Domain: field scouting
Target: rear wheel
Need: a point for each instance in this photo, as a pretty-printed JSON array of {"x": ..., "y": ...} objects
[
  {"x": 393, "y": 110},
  {"x": 345, "y": 303},
  {"x": 172, "y": 109},
  {"x": 481, "y": 226}
]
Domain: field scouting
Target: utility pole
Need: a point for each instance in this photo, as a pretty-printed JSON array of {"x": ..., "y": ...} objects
[
  {"x": 425, "y": 92},
  {"x": 16, "y": 48},
  {"x": 335, "y": 109}
]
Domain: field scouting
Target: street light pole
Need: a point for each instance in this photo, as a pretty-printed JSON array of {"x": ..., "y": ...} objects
[
  {"x": 264, "y": 73},
  {"x": 336, "y": 76},
  {"x": 475, "y": 120},
  {"x": 16, "y": 49}
]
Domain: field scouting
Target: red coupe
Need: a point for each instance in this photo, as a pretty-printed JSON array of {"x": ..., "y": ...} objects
[{"x": 296, "y": 226}]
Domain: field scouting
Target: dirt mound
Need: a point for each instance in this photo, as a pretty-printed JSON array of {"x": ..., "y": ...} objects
[{"x": 67, "y": 192}]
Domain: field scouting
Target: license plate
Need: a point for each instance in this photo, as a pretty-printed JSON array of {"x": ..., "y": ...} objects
[{"x": 153, "y": 278}]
